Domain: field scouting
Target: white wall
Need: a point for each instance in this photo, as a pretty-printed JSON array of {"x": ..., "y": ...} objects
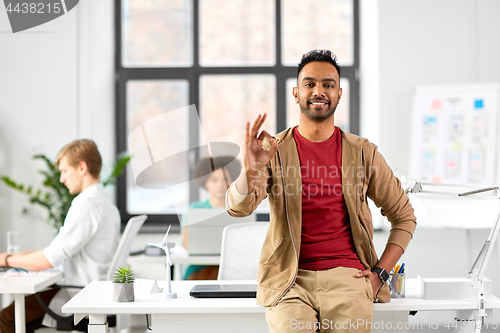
[
  {"x": 56, "y": 85},
  {"x": 369, "y": 70}
]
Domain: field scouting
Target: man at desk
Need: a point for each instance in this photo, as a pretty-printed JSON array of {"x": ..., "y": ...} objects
[
  {"x": 318, "y": 267},
  {"x": 85, "y": 243}
]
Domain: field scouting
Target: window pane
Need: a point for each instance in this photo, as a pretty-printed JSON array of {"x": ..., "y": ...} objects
[
  {"x": 227, "y": 103},
  {"x": 237, "y": 33},
  {"x": 147, "y": 103},
  {"x": 157, "y": 33},
  {"x": 320, "y": 24},
  {"x": 341, "y": 113}
]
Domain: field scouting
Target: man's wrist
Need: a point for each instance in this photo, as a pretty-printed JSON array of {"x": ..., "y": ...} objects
[
  {"x": 6, "y": 262},
  {"x": 252, "y": 174},
  {"x": 382, "y": 274},
  {"x": 252, "y": 177}
]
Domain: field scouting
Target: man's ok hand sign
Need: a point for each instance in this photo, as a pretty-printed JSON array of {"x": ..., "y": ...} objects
[{"x": 258, "y": 149}]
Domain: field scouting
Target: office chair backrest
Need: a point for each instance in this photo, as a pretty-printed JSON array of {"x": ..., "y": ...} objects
[
  {"x": 240, "y": 251},
  {"x": 122, "y": 251}
]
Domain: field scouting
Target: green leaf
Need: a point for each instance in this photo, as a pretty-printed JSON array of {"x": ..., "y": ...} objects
[
  {"x": 117, "y": 168},
  {"x": 40, "y": 202},
  {"x": 124, "y": 275},
  {"x": 9, "y": 182},
  {"x": 48, "y": 162}
]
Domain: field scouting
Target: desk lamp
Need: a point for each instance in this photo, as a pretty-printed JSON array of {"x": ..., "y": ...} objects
[
  {"x": 166, "y": 246},
  {"x": 479, "y": 266}
]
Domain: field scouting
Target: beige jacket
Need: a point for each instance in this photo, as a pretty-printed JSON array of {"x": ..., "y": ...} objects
[{"x": 364, "y": 173}]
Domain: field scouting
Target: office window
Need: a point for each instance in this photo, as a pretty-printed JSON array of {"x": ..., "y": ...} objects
[
  {"x": 146, "y": 100},
  {"x": 237, "y": 33},
  {"x": 319, "y": 24},
  {"x": 230, "y": 59},
  {"x": 157, "y": 33},
  {"x": 226, "y": 104}
]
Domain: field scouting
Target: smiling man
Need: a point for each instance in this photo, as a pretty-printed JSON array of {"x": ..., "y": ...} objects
[
  {"x": 318, "y": 268},
  {"x": 85, "y": 243}
]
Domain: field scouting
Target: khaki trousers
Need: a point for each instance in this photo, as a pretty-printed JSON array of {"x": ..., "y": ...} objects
[{"x": 324, "y": 301}]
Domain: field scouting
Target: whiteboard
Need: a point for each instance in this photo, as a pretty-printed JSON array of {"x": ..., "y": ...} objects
[
  {"x": 455, "y": 134},
  {"x": 455, "y": 141}
]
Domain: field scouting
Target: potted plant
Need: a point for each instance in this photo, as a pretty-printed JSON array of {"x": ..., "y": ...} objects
[
  {"x": 123, "y": 285},
  {"x": 57, "y": 199}
]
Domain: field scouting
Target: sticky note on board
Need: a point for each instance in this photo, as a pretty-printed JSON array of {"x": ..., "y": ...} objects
[
  {"x": 436, "y": 104},
  {"x": 478, "y": 104}
]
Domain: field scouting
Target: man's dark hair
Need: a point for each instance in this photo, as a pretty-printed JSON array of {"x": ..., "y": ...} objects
[{"x": 318, "y": 55}]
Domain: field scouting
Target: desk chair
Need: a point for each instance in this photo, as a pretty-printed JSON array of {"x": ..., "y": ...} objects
[
  {"x": 119, "y": 259},
  {"x": 240, "y": 251}
]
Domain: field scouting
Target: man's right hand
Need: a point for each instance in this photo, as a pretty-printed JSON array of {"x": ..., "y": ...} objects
[{"x": 255, "y": 155}]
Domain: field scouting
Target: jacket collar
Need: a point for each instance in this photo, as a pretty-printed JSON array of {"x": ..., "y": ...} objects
[{"x": 286, "y": 136}]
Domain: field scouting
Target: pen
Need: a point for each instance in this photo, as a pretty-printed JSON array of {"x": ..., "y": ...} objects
[
  {"x": 396, "y": 269},
  {"x": 402, "y": 268}
]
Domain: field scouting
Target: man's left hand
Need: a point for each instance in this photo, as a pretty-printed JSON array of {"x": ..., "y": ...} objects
[{"x": 374, "y": 279}]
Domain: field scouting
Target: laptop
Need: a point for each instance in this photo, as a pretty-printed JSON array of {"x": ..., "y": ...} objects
[
  {"x": 205, "y": 226},
  {"x": 224, "y": 291}
]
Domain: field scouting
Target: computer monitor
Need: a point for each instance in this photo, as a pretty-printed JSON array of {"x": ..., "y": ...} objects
[{"x": 205, "y": 226}]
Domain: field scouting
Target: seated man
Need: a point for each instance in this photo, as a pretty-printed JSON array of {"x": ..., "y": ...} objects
[{"x": 85, "y": 244}]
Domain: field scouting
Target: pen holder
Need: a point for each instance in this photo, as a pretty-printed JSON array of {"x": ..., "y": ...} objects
[{"x": 397, "y": 285}]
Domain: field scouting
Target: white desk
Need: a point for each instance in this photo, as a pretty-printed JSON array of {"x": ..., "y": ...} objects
[
  {"x": 22, "y": 285},
  {"x": 186, "y": 314},
  {"x": 156, "y": 264}
]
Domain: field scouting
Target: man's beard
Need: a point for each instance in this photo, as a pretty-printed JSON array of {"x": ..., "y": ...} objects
[{"x": 311, "y": 116}]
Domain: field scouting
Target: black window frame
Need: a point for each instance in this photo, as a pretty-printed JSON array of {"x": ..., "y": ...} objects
[{"x": 157, "y": 222}]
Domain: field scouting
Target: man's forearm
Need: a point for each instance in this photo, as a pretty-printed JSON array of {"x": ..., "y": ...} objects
[
  {"x": 390, "y": 257},
  {"x": 246, "y": 193},
  {"x": 32, "y": 261}
]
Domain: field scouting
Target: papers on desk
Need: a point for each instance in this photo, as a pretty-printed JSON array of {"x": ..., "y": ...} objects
[{"x": 18, "y": 272}]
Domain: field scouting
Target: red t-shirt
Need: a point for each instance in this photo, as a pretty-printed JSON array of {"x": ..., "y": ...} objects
[{"x": 326, "y": 231}]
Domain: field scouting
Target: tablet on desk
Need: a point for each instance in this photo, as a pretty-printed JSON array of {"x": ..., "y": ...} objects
[{"x": 224, "y": 291}]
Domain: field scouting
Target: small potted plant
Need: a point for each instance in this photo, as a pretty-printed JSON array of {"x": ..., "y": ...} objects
[{"x": 123, "y": 288}]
